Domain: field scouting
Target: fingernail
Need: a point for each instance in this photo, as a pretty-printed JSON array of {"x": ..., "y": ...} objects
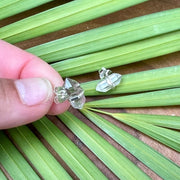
[{"x": 33, "y": 91}]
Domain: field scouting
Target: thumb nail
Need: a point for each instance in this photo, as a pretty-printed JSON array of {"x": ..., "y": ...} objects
[{"x": 33, "y": 91}]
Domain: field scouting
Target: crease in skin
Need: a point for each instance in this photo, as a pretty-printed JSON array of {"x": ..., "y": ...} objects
[{"x": 23, "y": 67}]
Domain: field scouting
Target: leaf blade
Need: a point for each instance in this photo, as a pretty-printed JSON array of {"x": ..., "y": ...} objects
[
  {"x": 151, "y": 158},
  {"x": 9, "y": 8},
  {"x": 75, "y": 159},
  {"x": 126, "y": 54},
  {"x": 158, "y": 120},
  {"x": 13, "y": 161},
  {"x": 61, "y": 17},
  {"x": 106, "y": 152},
  {"x": 109, "y": 36},
  {"x": 2, "y": 176},
  {"x": 166, "y": 136},
  {"x": 38, "y": 155},
  {"x": 155, "y": 79},
  {"x": 167, "y": 97}
]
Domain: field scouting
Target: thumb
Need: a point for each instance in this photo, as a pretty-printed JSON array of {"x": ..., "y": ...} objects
[{"x": 23, "y": 101}]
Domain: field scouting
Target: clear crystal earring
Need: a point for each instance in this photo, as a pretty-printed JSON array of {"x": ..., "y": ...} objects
[
  {"x": 72, "y": 91},
  {"x": 108, "y": 81}
]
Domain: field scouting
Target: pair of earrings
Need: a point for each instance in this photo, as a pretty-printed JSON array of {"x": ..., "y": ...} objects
[{"x": 72, "y": 91}]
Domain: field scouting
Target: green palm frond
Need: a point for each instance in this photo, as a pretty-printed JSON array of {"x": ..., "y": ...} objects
[
  {"x": 13, "y": 161},
  {"x": 106, "y": 152},
  {"x": 133, "y": 52},
  {"x": 74, "y": 158},
  {"x": 61, "y": 17},
  {"x": 171, "y": 122},
  {"x": 168, "y": 97},
  {"x": 155, "y": 79},
  {"x": 147, "y": 155},
  {"x": 2, "y": 176},
  {"x": 85, "y": 145},
  {"x": 165, "y": 136},
  {"x": 109, "y": 36},
  {"x": 9, "y": 7},
  {"x": 39, "y": 156}
]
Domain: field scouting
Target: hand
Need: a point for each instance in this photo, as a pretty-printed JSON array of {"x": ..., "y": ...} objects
[{"x": 26, "y": 87}]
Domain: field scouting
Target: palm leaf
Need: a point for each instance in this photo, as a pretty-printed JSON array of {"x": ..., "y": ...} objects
[
  {"x": 109, "y": 36},
  {"x": 13, "y": 161},
  {"x": 117, "y": 44},
  {"x": 167, "y": 97},
  {"x": 74, "y": 158},
  {"x": 155, "y": 79},
  {"x": 168, "y": 137},
  {"x": 165, "y": 136},
  {"x": 147, "y": 155},
  {"x": 61, "y": 17},
  {"x": 106, "y": 152},
  {"x": 9, "y": 7},
  {"x": 2, "y": 176},
  {"x": 126, "y": 54},
  {"x": 158, "y": 120},
  {"x": 37, "y": 154}
]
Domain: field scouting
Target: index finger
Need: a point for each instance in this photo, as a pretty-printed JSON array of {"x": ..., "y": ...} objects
[{"x": 16, "y": 63}]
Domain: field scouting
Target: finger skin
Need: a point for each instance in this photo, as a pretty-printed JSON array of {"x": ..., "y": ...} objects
[
  {"x": 49, "y": 73},
  {"x": 12, "y": 112},
  {"x": 19, "y": 64}
]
